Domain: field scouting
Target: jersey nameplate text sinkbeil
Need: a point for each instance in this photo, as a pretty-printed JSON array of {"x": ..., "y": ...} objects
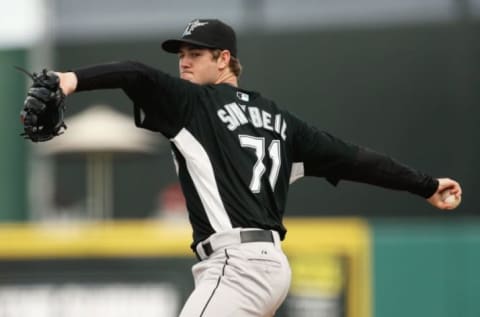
[{"x": 235, "y": 115}]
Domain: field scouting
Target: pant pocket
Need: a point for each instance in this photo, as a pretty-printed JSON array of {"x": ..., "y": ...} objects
[{"x": 265, "y": 261}]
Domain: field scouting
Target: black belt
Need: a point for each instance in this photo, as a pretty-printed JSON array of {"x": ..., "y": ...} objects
[{"x": 245, "y": 237}]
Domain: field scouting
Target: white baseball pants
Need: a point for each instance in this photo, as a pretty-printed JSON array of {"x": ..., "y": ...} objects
[{"x": 239, "y": 279}]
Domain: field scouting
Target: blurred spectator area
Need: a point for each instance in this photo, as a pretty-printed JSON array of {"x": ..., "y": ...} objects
[{"x": 91, "y": 19}]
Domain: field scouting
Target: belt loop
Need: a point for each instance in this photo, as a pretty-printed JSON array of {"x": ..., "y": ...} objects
[
  {"x": 200, "y": 252},
  {"x": 276, "y": 239},
  {"x": 207, "y": 248}
]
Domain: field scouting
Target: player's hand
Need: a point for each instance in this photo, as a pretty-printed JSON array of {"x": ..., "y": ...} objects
[{"x": 446, "y": 185}]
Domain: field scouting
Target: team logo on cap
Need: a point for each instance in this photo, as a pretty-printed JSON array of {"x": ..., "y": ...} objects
[{"x": 192, "y": 26}]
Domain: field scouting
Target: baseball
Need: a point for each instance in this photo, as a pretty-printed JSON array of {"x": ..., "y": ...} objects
[{"x": 451, "y": 199}]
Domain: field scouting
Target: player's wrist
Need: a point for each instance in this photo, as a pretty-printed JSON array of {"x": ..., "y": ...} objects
[{"x": 68, "y": 82}]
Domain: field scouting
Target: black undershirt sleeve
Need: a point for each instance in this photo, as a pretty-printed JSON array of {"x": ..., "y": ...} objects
[
  {"x": 324, "y": 155},
  {"x": 127, "y": 75},
  {"x": 377, "y": 169},
  {"x": 161, "y": 102}
]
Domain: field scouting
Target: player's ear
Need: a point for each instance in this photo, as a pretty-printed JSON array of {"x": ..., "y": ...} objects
[{"x": 223, "y": 59}]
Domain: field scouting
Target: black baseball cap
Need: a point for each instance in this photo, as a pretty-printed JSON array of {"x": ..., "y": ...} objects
[{"x": 209, "y": 33}]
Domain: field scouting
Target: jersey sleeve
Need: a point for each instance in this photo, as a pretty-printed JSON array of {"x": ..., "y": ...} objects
[
  {"x": 324, "y": 155},
  {"x": 161, "y": 102}
]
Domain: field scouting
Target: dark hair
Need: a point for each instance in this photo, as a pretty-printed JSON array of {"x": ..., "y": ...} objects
[{"x": 234, "y": 64}]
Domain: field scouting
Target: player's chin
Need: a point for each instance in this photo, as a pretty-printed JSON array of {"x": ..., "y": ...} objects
[{"x": 188, "y": 76}]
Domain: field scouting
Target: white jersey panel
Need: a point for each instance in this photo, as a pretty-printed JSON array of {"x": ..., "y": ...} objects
[
  {"x": 297, "y": 172},
  {"x": 201, "y": 171}
]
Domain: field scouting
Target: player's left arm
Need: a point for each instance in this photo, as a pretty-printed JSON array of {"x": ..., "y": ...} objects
[
  {"x": 324, "y": 155},
  {"x": 378, "y": 169}
]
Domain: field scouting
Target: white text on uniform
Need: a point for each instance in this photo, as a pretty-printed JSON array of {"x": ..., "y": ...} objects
[{"x": 235, "y": 116}]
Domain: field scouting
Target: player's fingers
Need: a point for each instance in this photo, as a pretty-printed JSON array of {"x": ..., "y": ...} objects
[
  {"x": 447, "y": 183},
  {"x": 456, "y": 189},
  {"x": 439, "y": 203}
]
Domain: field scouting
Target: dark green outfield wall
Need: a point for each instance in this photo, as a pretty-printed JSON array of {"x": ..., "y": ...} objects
[
  {"x": 424, "y": 268},
  {"x": 13, "y": 174}
]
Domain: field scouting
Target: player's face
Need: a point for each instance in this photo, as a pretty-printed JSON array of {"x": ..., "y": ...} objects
[{"x": 197, "y": 65}]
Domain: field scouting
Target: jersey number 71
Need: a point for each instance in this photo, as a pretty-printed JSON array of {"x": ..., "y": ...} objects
[{"x": 258, "y": 145}]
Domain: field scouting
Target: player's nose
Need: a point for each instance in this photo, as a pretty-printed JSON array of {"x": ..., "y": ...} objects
[{"x": 184, "y": 62}]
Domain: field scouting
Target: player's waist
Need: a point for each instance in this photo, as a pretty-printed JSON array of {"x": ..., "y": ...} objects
[{"x": 235, "y": 236}]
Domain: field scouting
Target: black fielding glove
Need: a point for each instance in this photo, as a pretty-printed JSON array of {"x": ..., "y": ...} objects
[{"x": 44, "y": 108}]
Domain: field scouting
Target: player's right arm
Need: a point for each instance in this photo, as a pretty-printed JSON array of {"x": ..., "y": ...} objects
[{"x": 162, "y": 102}]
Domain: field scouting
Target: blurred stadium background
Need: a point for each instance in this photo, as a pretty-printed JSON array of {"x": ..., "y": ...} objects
[{"x": 98, "y": 228}]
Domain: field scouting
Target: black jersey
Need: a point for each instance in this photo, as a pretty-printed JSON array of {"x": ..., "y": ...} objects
[{"x": 237, "y": 152}]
